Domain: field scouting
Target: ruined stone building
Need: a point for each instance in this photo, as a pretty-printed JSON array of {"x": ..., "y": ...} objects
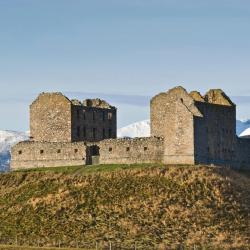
[
  {"x": 54, "y": 118},
  {"x": 186, "y": 128}
]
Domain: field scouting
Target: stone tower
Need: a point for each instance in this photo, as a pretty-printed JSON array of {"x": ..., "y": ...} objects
[
  {"x": 196, "y": 129},
  {"x": 55, "y": 118},
  {"x": 215, "y": 133},
  {"x": 172, "y": 117}
]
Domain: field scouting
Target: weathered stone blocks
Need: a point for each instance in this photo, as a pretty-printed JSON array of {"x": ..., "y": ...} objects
[{"x": 186, "y": 128}]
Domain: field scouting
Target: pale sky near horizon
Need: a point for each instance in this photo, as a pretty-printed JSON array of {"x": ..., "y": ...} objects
[{"x": 123, "y": 50}]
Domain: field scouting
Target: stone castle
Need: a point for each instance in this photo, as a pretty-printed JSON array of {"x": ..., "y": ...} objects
[{"x": 186, "y": 128}]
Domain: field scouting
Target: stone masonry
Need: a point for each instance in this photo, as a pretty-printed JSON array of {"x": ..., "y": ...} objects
[
  {"x": 186, "y": 128},
  {"x": 55, "y": 118},
  {"x": 30, "y": 154}
]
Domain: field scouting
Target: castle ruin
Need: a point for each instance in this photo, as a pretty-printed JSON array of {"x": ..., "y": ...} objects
[{"x": 186, "y": 128}]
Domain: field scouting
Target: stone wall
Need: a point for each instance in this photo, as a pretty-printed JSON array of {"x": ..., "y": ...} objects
[
  {"x": 50, "y": 118},
  {"x": 243, "y": 153},
  {"x": 215, "y": 134},
  {"x": 172, "y": 116},
  {"x": 128, "y": 151},
  {"x": 54, "y": 118},
  {"x": 93, "y": 123},
  {"x": 30, "y": 154}
]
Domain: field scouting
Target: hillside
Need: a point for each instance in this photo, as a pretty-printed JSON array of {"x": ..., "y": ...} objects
[{"x": 154, "y": 206}]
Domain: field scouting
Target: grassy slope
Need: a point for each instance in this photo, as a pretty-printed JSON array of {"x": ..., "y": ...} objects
[
  {"x": 5, "y": 247},
  {"x": 155, "y": 206}
]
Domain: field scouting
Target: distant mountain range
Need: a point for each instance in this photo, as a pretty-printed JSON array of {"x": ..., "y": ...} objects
[
  {"x": 243, "y": 128},
  {"x": 137, "y": 129},
  {"x": 142, "y": 129},
  {"x": 7, "y": 140}
]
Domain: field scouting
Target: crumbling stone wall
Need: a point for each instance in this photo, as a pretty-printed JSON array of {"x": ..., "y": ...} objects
[
  {"x": 30, "y": 154},
  {"x": 93, "y": 120},
  {"x": 54, "y": 118},
  {"x": 128, "y": 151}
]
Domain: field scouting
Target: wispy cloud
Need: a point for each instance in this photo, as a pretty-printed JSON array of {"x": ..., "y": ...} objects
[{"x": 136, "y": 100}]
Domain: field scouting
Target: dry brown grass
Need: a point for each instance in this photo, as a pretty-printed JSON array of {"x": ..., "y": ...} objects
[{"x": 157, "y": 207}]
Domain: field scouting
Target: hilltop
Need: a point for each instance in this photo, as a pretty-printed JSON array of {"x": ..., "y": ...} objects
[
  {"x": 154, "y": 206},
  {"x": 137, "y": 129}
]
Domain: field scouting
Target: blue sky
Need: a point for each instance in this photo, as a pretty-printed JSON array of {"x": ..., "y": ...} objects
[{"x": 122, "y": 50}]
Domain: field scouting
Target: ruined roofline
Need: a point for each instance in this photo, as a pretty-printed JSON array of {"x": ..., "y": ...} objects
[
  {"x": 180, "y": 88},
  {"x": 49, "y": 94},
  {"x": 94, "y": 103},
  {"x": 213, "y": 96},
  {"x": 97, "y": 103},
  {"x": 180, "y": 94},
  {"x": 218, "y": 96},
  {"x": 197, "y": 96}
]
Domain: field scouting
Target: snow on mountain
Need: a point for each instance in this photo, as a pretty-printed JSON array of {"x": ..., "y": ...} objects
[
  {"x": 137, "y": 129},
  {"x": 142, "y": 129},
  {"x": 245, "y": 133},
  {"x": 241, "y": 126},
  {"x": 7, "y": 140}
]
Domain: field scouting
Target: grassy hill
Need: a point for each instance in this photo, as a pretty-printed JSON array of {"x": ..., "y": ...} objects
[{"x": 150, "y": 206}]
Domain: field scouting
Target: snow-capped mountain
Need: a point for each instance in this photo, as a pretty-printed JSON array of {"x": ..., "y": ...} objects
[
  {"x": 242, "y": 126},
  {"x": 142, "y": 129},
  {"x": 245, "y": 133},
  {"x": 7, "y": 140},
  {"x": 137, "y": 129}
]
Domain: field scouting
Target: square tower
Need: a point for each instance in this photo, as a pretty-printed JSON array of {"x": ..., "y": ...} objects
[
  {"x": 196, "y": 129},
  {"x": 172, "y": 117},
  {"x": 55, "y": 118},
  {"x": 215, "y": 132}
]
